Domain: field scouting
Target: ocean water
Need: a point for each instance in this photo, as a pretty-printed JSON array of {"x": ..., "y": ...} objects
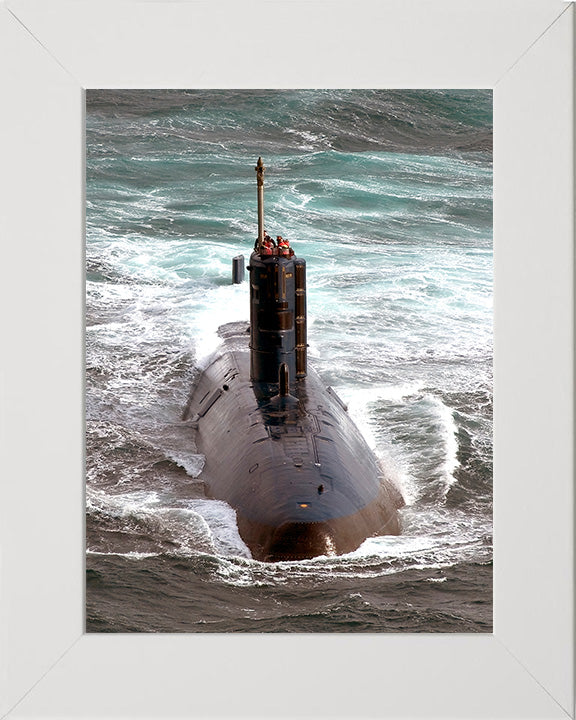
[{"x": 388, "y": 196}]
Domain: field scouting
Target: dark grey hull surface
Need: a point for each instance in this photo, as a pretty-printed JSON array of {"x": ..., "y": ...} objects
[{"x": 295, "y": 468}]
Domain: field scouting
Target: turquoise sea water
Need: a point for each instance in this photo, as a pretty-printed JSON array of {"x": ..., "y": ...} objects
[{"x": 388, "y": 196}]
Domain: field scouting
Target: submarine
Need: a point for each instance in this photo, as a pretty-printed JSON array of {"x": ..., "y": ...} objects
[{"x": 280, "y": 446}]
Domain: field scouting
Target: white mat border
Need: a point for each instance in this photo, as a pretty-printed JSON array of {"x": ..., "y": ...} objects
[{"x": 51, "y": 52}]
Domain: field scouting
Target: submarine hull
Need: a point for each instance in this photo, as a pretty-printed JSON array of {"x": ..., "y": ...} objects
[{"x": 294, "y": 467}]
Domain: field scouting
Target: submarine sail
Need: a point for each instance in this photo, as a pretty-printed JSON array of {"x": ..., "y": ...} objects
[{"x": 280, "y": 446}]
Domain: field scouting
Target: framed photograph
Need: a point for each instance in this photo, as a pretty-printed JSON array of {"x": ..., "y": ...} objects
[
  {"x": 57, "y": 52},
  {"x": 358, "y": 498}
]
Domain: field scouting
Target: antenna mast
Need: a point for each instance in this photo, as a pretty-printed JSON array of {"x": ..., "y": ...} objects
[{"x": 260, "y": 181}]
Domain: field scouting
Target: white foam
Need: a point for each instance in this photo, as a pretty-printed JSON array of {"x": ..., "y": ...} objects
[
  {"x": 360, "y": 398},
  {"x": 193, "y": 463},
  {"x": 449, "y": 437},
  {"x": 132, "y": 555},
  {"x": 185, "y": 527},
  {"x": 440, "y": 419},
  {"x": 359, "y": 401},
  {"x": 221, "y": 521},
  {"x": 224, "y": 304},
  {"x": 196, "y": 525},
  {"x": 120, "y": 504}
]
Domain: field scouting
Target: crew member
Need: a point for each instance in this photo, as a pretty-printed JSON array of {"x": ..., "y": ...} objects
[
  {"x": 283, "y": 247},
  {"x": 267, "y": 246}
]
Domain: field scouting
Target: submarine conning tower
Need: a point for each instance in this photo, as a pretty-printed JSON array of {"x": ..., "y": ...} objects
[{"x": 277, "y": 307}]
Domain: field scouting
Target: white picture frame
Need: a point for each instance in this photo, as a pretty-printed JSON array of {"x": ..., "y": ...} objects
[{"x": 52, "y": 50}]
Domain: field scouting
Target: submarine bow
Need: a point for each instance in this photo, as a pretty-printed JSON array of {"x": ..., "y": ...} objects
[{"x": 280, "y": 446}]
